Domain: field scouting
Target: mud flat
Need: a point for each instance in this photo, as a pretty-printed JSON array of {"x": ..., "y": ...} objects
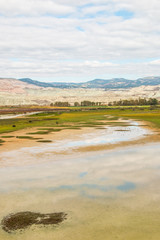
[{"x": 106, "y": 194}]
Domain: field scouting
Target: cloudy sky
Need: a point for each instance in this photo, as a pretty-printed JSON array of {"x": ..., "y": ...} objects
[{"x": 79, "y": 40}]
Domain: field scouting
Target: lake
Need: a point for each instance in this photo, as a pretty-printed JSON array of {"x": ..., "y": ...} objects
[{"x": 107, "y": 194}]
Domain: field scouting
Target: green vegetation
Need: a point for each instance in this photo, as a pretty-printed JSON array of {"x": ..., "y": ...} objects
[
  {"x": 73, "y": 128},
  {"x": 87, "y": 103},
  {"x": 44, "y": 114},
  {"x": 7, "y": 136},
  {"x": 45, "y": 141},
  {"x": 145, "y": 114},
  {"x": 39, "y": 132},
  {"x": 50, "y": 129},
  {"x": 24, "y": 137},
  {"x": 28, "y": 137},
  {"x": 153, "y": 117},
  {"x": 61, "y": 104},
  {"x": 135, "y": 102},
  {"x": 76, "y": 118},
  {"x": 131, "y": 102}
]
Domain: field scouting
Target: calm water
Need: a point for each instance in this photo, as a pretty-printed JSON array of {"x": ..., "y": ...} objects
[
  {"x": 45, "y": 152},
  {"x": 107, "y": 194}
]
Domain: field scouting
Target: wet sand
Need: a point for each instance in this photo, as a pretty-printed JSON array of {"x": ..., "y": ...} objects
[{"x": 15, "y": 143}]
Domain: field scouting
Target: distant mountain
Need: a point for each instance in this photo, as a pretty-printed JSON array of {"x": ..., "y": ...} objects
[
  {"x": 115, "y": 83},
  {"x": 45, "y": 84}
]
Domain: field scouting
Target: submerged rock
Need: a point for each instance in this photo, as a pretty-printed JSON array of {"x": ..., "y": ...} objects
[{"x": 22, "y": 220}]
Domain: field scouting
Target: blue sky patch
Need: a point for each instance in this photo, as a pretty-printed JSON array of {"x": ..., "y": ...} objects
[
  {"x": 14, "y": 59},
  {"x": 80, "y": 29},
  {"x": 125, "y": 14}
]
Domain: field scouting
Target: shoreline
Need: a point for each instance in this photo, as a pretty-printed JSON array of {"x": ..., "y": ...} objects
[
  {"x": 75, "y": 134},
  {"x": 15, "y": 143},
  {"x": 66, "y": 134}
]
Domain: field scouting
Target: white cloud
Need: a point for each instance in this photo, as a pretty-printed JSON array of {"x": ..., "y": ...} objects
[
  {"x": 33, "y": 7},
  {"x": 155, "y": 62},
  {"x": 33, "y": 43},
  {"x": 97, "y": 64}
]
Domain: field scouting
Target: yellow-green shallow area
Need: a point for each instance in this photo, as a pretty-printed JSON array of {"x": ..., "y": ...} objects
[{"x": 108, "y": 194}]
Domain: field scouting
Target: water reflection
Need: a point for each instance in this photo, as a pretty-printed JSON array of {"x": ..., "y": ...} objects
[
  {"x": 106, "y": 170},
  {"x": 83, "y": 174},
  {"x": 127, "y": 186},
  {"x": 107, "y": 195}
]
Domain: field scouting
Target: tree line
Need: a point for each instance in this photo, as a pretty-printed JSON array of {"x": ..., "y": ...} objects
[
  {"x": 76, "y": 104},
  {"x": 135, "y": 102},
  {"x": 125, "y": 102}
]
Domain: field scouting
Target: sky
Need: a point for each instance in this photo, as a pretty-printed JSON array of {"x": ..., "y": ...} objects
[{"x": 75, "y": 41}]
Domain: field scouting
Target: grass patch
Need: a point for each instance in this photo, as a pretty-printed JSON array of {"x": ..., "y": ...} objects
[
  {"x": 7, "y": 136},
  {"x": 1, "y": 141},
  {"x": 50, "y": 129},
  {"x": 73, "y": 128},
  {"x": 44, "y": 114},
  {"x": 39, "y": 132},
  {"x": 45, "y": 141},
  {"x": 28, "y": 137},
  {"x": 24, "y": 137},
  {"x": 56, "y": 130},
  {"x": 46, "y": 129}
]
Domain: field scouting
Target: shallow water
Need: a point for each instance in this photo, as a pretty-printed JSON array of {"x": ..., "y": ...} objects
[
  {"x": 107, "y": 195},
  {"x": 108, "y": 135},
  {"x": 10, "y": 116}
]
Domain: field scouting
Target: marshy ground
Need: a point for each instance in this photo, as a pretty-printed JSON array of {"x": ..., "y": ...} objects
[{"x": 40, "y": 126}]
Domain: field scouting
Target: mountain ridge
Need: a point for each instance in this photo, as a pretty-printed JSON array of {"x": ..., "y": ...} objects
[{"x": 114, "y": 83}]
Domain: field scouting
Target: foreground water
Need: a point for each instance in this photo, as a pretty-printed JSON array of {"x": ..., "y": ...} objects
[{"x": 106, "y": 194}]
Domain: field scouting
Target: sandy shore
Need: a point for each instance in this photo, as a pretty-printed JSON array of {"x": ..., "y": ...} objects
[{"x": 16, "y": 143}]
